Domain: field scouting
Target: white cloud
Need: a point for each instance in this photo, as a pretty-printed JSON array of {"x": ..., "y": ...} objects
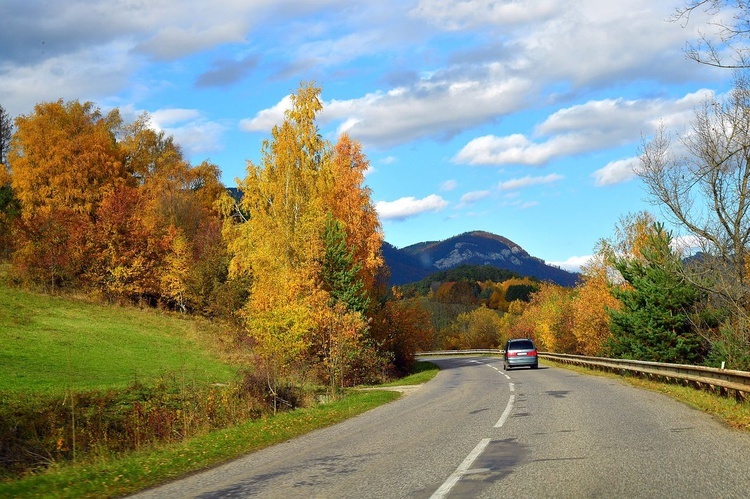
[
  {"x": 198, "y": 136},
  {"x": 526, "y": 47},
  {"x": 173, "y": 42},
  {"x": 266, "y": 119},
  {"x": 474, "y": 196},
  {"x": 452, "y": 15},
  {"x": 93, "y": 72},
  {"x": 403, "y": 114},
  {"x": 448, "y": 185},
  {"x": 584, "y": 128},
  {"x": 686, "y": 245},
  {"x": 593, "y": 42},
  {"x": 520, "y": 183},
  {"x": 164, "y": 117},
  {"x": 86, "y": 50},
  {"x": 194, "y": 133},
  {"x": 574, "y": 263},
  {"x": 408, "y": 207},
  {"x": 616, "y": 172}
]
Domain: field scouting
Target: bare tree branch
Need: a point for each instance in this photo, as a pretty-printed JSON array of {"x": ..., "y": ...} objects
[{"x": 727, "y": 44}]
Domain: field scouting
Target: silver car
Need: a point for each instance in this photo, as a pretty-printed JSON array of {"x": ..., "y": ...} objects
[{"x": 520, "y": 353}]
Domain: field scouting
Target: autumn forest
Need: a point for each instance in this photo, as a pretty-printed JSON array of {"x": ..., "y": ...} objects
[{"x": 113, "y": 209}]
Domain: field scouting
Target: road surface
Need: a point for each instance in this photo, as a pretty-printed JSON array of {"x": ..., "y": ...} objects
[{"x": 477, "y": 431}]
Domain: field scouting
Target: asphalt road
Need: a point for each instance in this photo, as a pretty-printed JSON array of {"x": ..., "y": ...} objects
[{"x": 476, "y": 431}]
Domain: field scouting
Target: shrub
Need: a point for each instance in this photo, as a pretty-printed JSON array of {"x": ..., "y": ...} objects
[{"x": 38, "y": 430}]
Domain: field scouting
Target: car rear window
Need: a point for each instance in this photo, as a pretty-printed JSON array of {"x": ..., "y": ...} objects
[{"x": 521, "y": 345}]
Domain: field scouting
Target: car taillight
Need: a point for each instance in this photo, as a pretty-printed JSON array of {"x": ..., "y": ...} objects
[{"x": 532, "y": 353}]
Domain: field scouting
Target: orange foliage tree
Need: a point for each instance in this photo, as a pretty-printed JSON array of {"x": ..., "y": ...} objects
[
  {"x": 126, "y": 260},
  {"x": 350, "y": 203},
  {"x": 63, "y": 160},
  {"x": 461, "y": 292},
  {"x": 594, "y": 299},
  {"x": 402, "y": 327},
  {"x": 112, "y": 208},
  {"x": 65, "y": 155}
]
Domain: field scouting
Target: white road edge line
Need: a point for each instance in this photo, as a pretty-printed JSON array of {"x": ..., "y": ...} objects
[
  {"x": 461, "y": 470},
  {"x": 506, "y": 413}
]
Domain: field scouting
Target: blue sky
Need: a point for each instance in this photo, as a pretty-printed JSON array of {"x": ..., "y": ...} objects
[{"x": 521, "y": 118}]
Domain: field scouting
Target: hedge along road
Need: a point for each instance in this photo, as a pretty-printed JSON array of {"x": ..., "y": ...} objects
[{"x": 477, "y": 431}]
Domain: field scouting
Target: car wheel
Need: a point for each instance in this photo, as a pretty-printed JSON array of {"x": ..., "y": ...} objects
[{"x": 535, "y": 366}]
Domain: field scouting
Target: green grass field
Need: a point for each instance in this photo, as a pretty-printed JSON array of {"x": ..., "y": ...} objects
[
  {"x": 52, "y": 343},
  {"x": 56, "y": 344}
]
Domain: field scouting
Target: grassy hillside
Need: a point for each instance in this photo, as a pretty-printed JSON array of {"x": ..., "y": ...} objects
[{"x": 52, "y": 344}]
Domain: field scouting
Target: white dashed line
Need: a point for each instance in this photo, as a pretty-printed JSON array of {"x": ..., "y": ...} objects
[
  {"x": 461, "y": 470},
  {"x": 506, "y": 413}
]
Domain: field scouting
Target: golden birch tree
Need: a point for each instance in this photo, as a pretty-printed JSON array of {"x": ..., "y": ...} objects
[
  {"x": 280, "y": 243},
  {"x": 301, "y": 182},
  {"x": 591, "y": 305}
]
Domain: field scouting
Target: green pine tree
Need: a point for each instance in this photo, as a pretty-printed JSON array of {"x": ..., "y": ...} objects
[
  {"x": 654, "y": 322},
  {"x": 340, "y": 272}
]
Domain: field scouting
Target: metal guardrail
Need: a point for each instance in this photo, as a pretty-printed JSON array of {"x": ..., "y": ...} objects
[
  {"x": 481, "y": 351},
  {"x": 725, "y": 381}
]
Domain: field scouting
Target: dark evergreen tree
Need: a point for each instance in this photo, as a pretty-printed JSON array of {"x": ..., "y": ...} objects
[
  {"x": 6, "y": 133},
  {"x": 654, "y": 322},
  {"x": 521, "y": 292},
  {"x": 464, "y": 272},
  {"x": 10, "y": 208},
  {"x": 340, "y": 272}
]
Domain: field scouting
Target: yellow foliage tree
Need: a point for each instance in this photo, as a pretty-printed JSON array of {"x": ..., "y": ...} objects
[
  {"x": 630, "y": 237},
  {"x": 548, "y": 319},
  {"x": 479, "y": 328},
  {"x": 593, "y": 296},
  {"x": 498, "y": 299},
  {"x": 287, "y": 197},
  {"x": 176, "y": 274},
  {"x": 280, "y": 243},
  {"x": 591, "y": 304}
]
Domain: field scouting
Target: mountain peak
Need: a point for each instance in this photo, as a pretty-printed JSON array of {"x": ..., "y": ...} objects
[
  {"x": 489, "y": 235},
  {"x": 470, "y": 248}
]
